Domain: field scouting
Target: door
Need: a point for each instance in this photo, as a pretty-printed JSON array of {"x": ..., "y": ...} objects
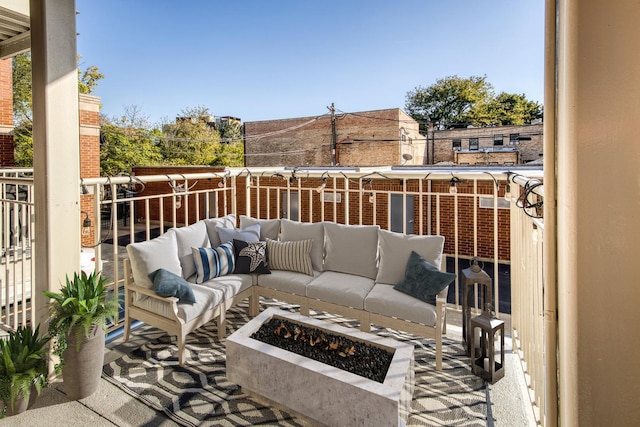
[
  {"x": 290, "y": 198},
  {"x": 398, "y": 217}
]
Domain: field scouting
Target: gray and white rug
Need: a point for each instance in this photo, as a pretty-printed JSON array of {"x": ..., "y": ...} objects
[{"x": 198, "y": 394}]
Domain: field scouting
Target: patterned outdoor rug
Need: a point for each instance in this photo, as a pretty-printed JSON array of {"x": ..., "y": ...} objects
[{"x": 199, "y": 394}]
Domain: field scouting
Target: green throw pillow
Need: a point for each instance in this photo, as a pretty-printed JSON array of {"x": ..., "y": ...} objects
[
  {"x": 168, "y": 284},
  {"x": 423, "y": 280}
]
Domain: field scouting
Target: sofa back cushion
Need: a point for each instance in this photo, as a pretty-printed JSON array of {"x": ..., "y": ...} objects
[
  {"x": 352, "y": 249},
  {"x": 269, "y": 228},
  {"x": 193, "y": 236},
  {"x": 227, "y": 221},
  {"x": 395, "y": 249},
  {"x": 147, "y": 257},
  {"x": 294, "y": 230}
]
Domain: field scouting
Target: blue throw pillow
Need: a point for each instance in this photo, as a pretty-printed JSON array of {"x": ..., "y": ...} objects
[
  {"x": 167, "y": 284},
  {"x": 213, "y": 262},
  {"x": 248, "y": 234},
  {"x": 423, "y": 280}
]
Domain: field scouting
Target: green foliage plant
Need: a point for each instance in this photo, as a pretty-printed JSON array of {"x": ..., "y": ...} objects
[
  {"x": 83, "y": 302},
  {"x": 23, "y": 364}
]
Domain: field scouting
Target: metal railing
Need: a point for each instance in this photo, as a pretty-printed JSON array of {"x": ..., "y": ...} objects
[
  {"x": 17, "y": 231},
  {"x": 465, "y": 205}
]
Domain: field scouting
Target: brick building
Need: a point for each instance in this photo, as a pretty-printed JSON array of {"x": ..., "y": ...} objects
[
  {"x": 6, "y": 113},
  {"x": 369, "y": 138},
  {"x": 489, "y": 145}
]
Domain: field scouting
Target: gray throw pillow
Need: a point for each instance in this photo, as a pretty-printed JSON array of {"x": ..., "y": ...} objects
[
  {"x": 167, "y": 284},
  {"x": 423, "y": 280},
  {"x": 250, "y": 233}
]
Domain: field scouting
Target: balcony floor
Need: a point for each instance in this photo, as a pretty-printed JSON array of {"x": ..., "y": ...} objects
[{"x": 109, "y": 406}]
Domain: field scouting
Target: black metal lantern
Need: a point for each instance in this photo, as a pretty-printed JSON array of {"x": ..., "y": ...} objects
[
  {"x": 487, "y": 357},
  {"x": 470, "y": 276}
]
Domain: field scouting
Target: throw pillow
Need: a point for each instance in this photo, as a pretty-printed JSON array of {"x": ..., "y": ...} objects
[
  {"x": 213, "y": 262},
  {"x": 251, "y": 257},
  {"x": 167, "y": 284},
  {"x": 423, "y": 280},
  {"x": 290, "y": 256},
  {"x": 248, "y": 234},
  {"x": 269, "y": 228}
]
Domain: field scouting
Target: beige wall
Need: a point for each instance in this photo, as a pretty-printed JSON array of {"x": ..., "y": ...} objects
[
  {"x": 363, "y": 139},
  {"x": 598, "y": 105}
]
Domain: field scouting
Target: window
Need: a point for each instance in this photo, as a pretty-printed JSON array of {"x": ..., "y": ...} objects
[
  {"x": 457, "y": 144},
  {"x": 410, "y": 141},
  {"x": 473, "y": 144},
  {"x": 514, "y": 138},
  {"x": 497, "y": 139}
]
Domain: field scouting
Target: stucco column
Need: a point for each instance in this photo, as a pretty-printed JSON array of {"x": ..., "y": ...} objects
[
  {"x": 55, "y": 145},
  {"x": 598, "y": 203}
]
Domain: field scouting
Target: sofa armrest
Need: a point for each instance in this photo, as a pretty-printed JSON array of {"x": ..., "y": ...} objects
[{"x": 152, "y": 294}]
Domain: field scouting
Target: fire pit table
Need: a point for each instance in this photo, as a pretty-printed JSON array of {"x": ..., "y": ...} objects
[{"x": 319, "y": 392}]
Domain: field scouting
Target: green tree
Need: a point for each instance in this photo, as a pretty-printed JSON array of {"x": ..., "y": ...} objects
[
  {"x": 232, "y": 146},
  {"x": 458, "y": 102},
  {"x": 22, "y": 104},
  {"x": 127, "y": 141},
  {"x": 506, "y": 109},
  {"x": 192, "y": 139},
  {"x": 449, "y": 101}
]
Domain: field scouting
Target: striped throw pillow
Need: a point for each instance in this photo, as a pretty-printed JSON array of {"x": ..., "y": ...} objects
[
  {"x": 213, "y": 262},
  {"x": 292, "y": 255}
]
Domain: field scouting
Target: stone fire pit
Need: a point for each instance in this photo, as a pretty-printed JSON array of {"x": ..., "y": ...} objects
[{"x": 319, "y": 392}]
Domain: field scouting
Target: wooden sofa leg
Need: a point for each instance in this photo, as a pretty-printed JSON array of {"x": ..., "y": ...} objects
[
  {"x": 304, "y": 308},
  {"x": 181, "y": 349},
  {"x": 222, "y": 325},
  {"x": 439, "y": 353},
  {"x": 365, "y": 323},
  {"x": 127, "y": 328},
  {"x": 254, "y": 304}
]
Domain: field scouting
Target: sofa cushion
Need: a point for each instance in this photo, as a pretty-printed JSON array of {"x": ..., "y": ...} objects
[
  {"x": 395, "y": 249},
  {"x": 269, "y": 228},
  {"x": 213, "y": 262},
  {"x": 206, "y": 299},
  {"x": 248, "y": 234},
  {"x": 340, "y": 288},
  {"x": 227, "y": 221},
  {"x": 167, "y": 284},
  {"x": 291, "y": 256},
  {"x": 294, "y": 230},
  {"x": 351, "y": 249},
  {"x": 385, "y": 300},
  {"x": 146, "y": 257},
  {"x": 423, "y": 280},
  {"x": 188, "y": 237},
  {"x": 230, "y": 285},
  {"x": 251, "y": 257},
  {"x": 288, "y": 281}
]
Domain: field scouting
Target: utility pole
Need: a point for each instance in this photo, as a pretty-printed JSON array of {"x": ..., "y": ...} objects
[{"x": 332, "y": 109}]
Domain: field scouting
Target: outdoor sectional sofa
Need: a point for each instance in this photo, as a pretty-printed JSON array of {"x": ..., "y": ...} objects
[{"x": 348, "y": 270}]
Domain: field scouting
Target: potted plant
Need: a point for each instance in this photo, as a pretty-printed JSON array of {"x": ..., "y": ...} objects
[
  {"x": 78, "y": 317},
  {"x": 23, "y": 368}
]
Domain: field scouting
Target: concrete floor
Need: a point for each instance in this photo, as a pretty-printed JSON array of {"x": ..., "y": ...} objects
[{"x": 110, "y": 406}]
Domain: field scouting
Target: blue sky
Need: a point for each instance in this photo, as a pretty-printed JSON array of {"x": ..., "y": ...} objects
[{"x": 261, "y": 60}]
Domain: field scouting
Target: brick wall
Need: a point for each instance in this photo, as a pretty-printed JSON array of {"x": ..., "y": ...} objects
[
  {"x": 6, "y": 113},
  {"x": 363, "y": 139},
  {"x": 89, "y": 118},
  {"x": 441, "y": 141},
  {"x": 154, "y": 188}
]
